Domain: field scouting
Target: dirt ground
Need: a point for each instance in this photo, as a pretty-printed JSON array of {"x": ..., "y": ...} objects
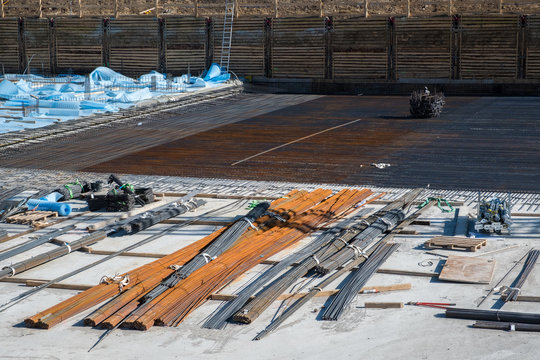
[{"x": 265, "y": 7}]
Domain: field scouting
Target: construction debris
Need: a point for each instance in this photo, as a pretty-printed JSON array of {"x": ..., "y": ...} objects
[{"x": 423, "y": 104}]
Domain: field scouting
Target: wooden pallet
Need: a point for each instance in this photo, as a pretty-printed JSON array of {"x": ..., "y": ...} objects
[
  {"x": 33, "y": 218},
  {"x": 455, "y": 243}
]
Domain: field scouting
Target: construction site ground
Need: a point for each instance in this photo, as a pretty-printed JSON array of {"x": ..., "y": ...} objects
[
  {"x": 234, "y": 149},
  {"x": 408, "y": 333},
  {"x": 477, "y": 143}
]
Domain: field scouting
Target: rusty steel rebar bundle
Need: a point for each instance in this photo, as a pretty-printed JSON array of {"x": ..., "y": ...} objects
[
  {"x": 344, "y": 231},
  {"x": 252, "y": 310},
  {"x": 104, "y": 291},
  {"x": 171, "y": 307}
]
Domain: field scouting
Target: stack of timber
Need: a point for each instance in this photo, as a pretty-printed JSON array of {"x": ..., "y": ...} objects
[
  {"x": 36, "y": 37},
  {"x": 304, "y": 212},
  {"x": 533, "y": 48},
  {"x": 185, "y": 44},
  {"x": 455, "y": 242},
  {"x": 9, "y": 45},
  {"x": 32, "y": 218},
  {"x": 359, "y": 48},
  {"x": 79, "y": 44},
  {"x": 298, "y": 48},
  {"x": 134, "y": 45},
  {"x": 423, "y": 48},
  {"x": 247, "y": 49},
  {"x": 489, "y": 47}
]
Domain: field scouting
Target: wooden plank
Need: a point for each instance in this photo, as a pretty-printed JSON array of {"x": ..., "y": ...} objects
[
  {"x": 467, "y": 270},
  {"x": 383, "y": 305}
]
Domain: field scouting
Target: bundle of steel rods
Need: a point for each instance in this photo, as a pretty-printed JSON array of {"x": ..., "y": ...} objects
[
  {"x": 148, "y": 276},
  {"x": 265, "y": 297},
  {"x": 314, "y": 291},
  {"x": 216, "y": 248},
  {"x": 492, "y": 315},
  {"x": 150, "y": 218},
  {"x": 349, "y": 228},
  {"x": 357, "y": 280},
  {"x": 35, "y": 243},
  {"x": 65, "y": 249},
  {"x": 361, "y": 241},
  {"x": 522, "y": 277},
  {"x": 174, "y": 305},
  {"x": 508, "y": 326}
]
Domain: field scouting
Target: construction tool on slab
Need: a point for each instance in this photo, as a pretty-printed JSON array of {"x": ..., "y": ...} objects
[{"x": 430, "y": 304}]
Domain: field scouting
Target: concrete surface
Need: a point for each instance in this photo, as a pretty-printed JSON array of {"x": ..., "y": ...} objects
[{"x": 408, "y": 333}]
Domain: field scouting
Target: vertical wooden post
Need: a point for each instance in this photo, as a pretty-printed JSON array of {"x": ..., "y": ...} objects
[
  {"x": 391, "y": 70},
  {"x": 3, "y": 13},
  {"x": 80, "y": 8},
  {"x": 328, "y": 48},
  {"x": 366, "y": 12},
  {"x": 276, "y": 14},
  {"x": 408, "y": 8},
  {"x": 450, "y": 5},
  {"x": 321, "y": 8},
  {"x": 157, "y": 8},
  {"x": 500, "y": 6},
  {"x": 22, "y": 46},
  {"x": 52, "y": 47},
  {"x": 196, "y": 8},
  {"x": 40, "y": 13},
  {"x": 209, "y": 46},
  {"x": 236, "y": 9},
  {"x": 116, "y": 9},
  {"x": 268, "y": 48}
]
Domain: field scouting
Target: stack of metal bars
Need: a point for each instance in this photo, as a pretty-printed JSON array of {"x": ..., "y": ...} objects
[
  {"x": 357, "y": 280},
  {"x": 216, "y": 248},
  {"x": 219, "y": 319},
  {"x": 522, "y": 277}
]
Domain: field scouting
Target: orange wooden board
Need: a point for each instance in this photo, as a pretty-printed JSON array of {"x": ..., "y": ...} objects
[{"x": 467, "y": 270}]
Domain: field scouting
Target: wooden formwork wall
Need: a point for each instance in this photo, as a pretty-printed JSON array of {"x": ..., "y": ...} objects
[
  {"x": 360, "y": 48},
  {"x": 247, "y": 49},
  {"x": 501, "y": 47},
  {"x": 37, "y": 45},
  {"x": 532, "y": 41},
  {"x": 298, "y": 47},
  {"x": 9, "y": 43},
  {"x": 423, "y": 48},
  {"x": 489, "y": 47},
  {"x": 185, "y": 41},
  {"x": 134, "y": 45},
  {"x": 79, "y": 44}
]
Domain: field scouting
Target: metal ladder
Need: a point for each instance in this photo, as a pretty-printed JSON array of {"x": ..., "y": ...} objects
[{"x": 226, "y": 40}]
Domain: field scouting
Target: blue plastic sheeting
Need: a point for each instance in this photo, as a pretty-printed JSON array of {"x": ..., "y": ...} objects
[
  {"x": 68, "y": 97},
  {"x": 54, "y": 196},
  {"x": 63, "y": 209}
]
